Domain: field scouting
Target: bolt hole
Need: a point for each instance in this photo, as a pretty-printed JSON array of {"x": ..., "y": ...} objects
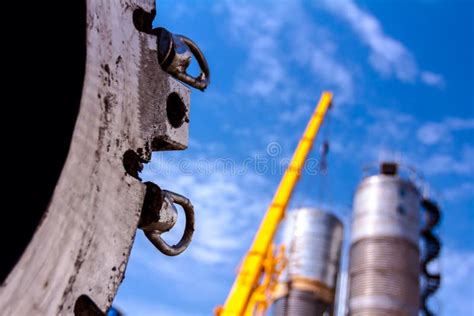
[
  {"x": 143, "y": 21},
  {"x": 153, "y": 202},
  {"x": 175, "y": 110},
  {"x": 132, "y": 163},
  {"x": 84, "y": 306}
]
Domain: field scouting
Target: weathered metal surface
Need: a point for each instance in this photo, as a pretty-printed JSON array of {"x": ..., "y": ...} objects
[
  {"x": 79, "y": 252},
  {"x": 158, "y": 212},
  {"x": 384, "y": 255}
]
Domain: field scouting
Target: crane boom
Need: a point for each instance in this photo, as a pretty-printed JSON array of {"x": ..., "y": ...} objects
[{"x": 252, "y": 266}]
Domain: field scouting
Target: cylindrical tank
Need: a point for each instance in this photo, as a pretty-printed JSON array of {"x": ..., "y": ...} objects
[
  {"x": 384, "y": 254},
  {"x": 313, "y": 240}
]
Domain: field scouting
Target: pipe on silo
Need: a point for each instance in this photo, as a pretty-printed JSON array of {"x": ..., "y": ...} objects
[
  {"x": 313, "y": 240},
  {"x": 384, "y": 255}
]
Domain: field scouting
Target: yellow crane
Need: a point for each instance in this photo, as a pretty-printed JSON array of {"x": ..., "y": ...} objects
[{"x": 250, "y": 293}]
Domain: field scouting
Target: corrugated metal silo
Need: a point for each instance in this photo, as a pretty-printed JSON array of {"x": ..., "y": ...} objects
[
  {"x": 384, "y": 267},
  {"x": 313, "y": 240}
]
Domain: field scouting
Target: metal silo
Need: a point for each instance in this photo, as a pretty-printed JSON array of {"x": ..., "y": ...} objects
[
  {"x": 384, "y": 267},
  {"x": 313, "y": 241}
]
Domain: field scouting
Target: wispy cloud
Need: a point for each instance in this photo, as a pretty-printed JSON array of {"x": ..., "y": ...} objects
[
  {"x": 281, "y": 47},
  {"x": 257, "y": 30},
  {"x": 459, "y": 193},
  {"x": 385, "y": 134},
  {"x": 137, "y": 307},
  {"x": 326, "y": 66},
  {"x": 457, "y": 285},
  {"x": 461, "y": 163},
  {"x": 302, "y": 112},
  {"x": 432, "y": 79},
  {"x": 391, "y": 124},
  {"x": 436, "y": 132},
  {"x": 388, "y": 56},
  {"x": 382, "y": 134},
  {"x": 226, "y": 206}
]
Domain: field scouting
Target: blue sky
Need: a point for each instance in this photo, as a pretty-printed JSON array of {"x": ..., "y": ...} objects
[{"x": 403, "y": 75}]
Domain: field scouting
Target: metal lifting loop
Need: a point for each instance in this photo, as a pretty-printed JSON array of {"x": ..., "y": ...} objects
[
  {"x": 155, "y": 235},
  {"x": 202, "y": 81},
  {"x": 174, "y": 56}
]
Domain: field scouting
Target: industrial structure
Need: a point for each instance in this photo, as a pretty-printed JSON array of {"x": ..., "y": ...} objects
[
  {"x": 252, "y": 289},
  {"x": 313, "y": 240},
  {"x": 385, "y": 261},
  {"x": 131, "y": 97},
  {"x": 384, "y": 267}
]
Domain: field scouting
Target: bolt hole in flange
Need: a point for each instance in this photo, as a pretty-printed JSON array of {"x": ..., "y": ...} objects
[
  {"x": 133, "y": 163},
  {"x": 85, "y": 306},
  {"x": 176, "y": 110}
]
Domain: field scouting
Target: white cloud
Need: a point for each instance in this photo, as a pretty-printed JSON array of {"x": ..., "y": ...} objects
[
  {"x": 431, "y": 148},
  {"x": 381, "y": 134},
  {"x": 301, "y": 112},
  {"x": 257, "y": 30},
  {"x": 137, "y": 307},
  {"x": 457, "y": 283},
  {"x": 459, "y": 192},
  {"x": 283, "y": 49},
  {"x": 388, "y": 56},
  {"x": 226, "y": 204},
  {"x": 461, "y": 163},
  {"x": 148, "y": 267},
  {"x": 327, "y": 67},
  {"x": 432, "y": 79},
  {"x": 457, "y": 123},
  {"x": 437, "y": 132},
  {"x": 390, "y": 124},
  {"x": 457, "y": 267},
  {"x": 432, "y": 133}
]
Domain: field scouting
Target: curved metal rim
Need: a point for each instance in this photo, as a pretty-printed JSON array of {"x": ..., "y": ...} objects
[{"x": 380, "y": 178}]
